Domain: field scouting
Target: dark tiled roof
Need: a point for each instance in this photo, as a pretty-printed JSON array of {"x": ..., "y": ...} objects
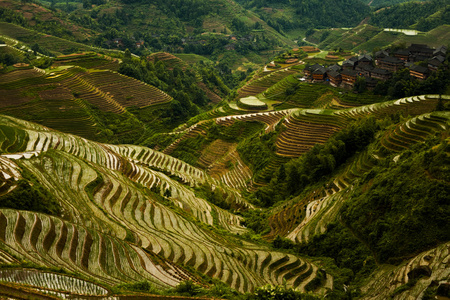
[
  {"x": 381, "y": 71},
  {"x": 333, "y": 74},
  {"x": 402, "y": 52},
  {"x": 419, "y": 69},
  {"x": 319, "y": 70},
  {"x": 420, "y": 48},
  {"x": 434, "y": 62},
  {"x": 365, "y": 57},
  {"x": 391, "y": 59},
  {"x": 419, "y": 57},
  {"x": 334, "y": 68},
  {"x": 349, "y": 73},
  {"x": 381, "y": 54},
  {"x": 440, "y": 50},
  {"x": 439, "y": 58},
  {"x": 349, "y": 62},
  {"x": 364, "y": 67}
]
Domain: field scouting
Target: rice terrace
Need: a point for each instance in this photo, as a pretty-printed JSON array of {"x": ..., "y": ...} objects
[{"x": 248, "y": 150}]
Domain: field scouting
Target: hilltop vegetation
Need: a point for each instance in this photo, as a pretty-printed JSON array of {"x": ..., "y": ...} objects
[
  {"x": 420, "y": 16},
  {"x": 288, "y": 15}
]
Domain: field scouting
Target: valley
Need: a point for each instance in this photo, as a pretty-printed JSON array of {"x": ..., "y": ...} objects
[{"x": 193, "y": 150}]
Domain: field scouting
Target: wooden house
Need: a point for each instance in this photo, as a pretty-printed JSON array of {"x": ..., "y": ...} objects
[
  {"x": 380, "y": 74},
  {"x": 334, "y": 77},
  {"x": 310, "y": 68},
  {"x": 421, "y": 49},
  {"x": 402, "y": 54},
  {"x": 391, "y": 63},
  {"x": 442, "y": 51},
  {"x": 435, "y": 63},
  {"x": 349, "y": 77},
  {"x": 380, "y": 54},
  {"x": 348, "y": 64},
  {"x": 365, "y": 60},
  {"x": 139, "y": 43},
  {"x": 419, "y": 72},
  {"x": 319, "y": 74},
  {"x": 364, "y": 70}
]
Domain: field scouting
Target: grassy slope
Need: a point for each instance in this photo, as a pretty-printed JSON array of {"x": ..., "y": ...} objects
[{"x": 365, "y": 38}]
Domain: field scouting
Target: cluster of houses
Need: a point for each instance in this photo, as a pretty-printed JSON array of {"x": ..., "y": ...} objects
[
  {"x": 380, "y": 67},
  {"x": 120, "y": 43}
]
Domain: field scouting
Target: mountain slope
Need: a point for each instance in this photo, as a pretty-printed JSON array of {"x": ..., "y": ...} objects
[{"x": 105, "y": 193}]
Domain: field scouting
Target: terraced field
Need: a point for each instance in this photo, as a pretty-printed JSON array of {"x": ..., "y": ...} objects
[
  {"x": 259, "y": 84},
  {"x": 61, "y": 99},
  {"x": 53, "y": 242},
  {"x": 271, "y": 119},
  {"x": 429, "y": 268},
  {"x": 45, "y": 41},
  {"x": 323, "y": 207},
  {"x": 127, "y": 91},
  {"x": 170, "y": 60},
  {"x": 88, "y": 60},
  {"x": 116, "y": 225},
  {"x": 304, "y": 129}
]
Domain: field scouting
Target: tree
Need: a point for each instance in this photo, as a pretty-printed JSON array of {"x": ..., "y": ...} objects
[{"x": 127, "y": 56}]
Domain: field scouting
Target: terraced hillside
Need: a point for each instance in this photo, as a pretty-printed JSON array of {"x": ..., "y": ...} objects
[
  {"x": 116, "y": 225},
  {"x": 304, "y": 219},
  {"x": 262, "y": 81},
  {"x": 63, "y": 99},
  {"x": 172, "y": 61},
  {"x": 421, "y": 274}
]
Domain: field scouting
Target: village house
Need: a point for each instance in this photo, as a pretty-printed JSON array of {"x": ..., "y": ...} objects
[
  {"x": 334, "y": 67},
  {"x": 364, "y": 70},
  {"x": 402, "y": 54},
  {"x": 365, "y": 60},
  {"x": 118, "y": 42},
  {"x": 420, "y": 50},
  {"x": 310, "y": 68},
  {"x": 319, "y": 74},
  {"x": 380, "y": 74},
  {"x": 139, "y": 43},
  {"x": 390, "y": 63},
  {"x": 419, "y": 72},
  {"x": 348, "y": 64},
  {"x": 435, "y": 63},
  {"x": 334, "y": 77},
  {"x": 349, "y": 77},
  {"x": 385, "y": 65},
  {"x": 442, "y": 51},
  {"x": 380, "y": 54}
]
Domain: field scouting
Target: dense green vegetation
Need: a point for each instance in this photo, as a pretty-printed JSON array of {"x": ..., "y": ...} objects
[
  {"x": 400, "y": 209},
  {"x": 29, "y": 194},
  {"x": 421, "y": 14},
  {"x": 310, "y": 14},
  {"x": 403, "y": 85},
  {"x": 189, "y": 150},
  {"x": 318, "y": 163}
]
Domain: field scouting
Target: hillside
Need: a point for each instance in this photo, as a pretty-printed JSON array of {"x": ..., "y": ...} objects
[
  {"x": 120, "y": 25},
  {"x": 207, "y": 208},
  {"x": 366, "y": 38},
  {"x": 203, "y": 163},
  {"x": 125, "y": 200}
]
